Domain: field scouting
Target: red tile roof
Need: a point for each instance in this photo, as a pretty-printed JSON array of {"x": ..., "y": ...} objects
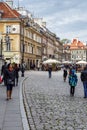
[
  {"x": 7, "y": 11},
  {"x": 76, "y": 44}
]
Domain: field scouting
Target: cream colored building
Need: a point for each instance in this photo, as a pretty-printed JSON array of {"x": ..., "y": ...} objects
[
  {"x": 78, "y": 50},
  {"x": 25, "y": 40}
]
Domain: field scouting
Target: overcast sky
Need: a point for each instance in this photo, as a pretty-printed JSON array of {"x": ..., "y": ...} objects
[{"x": 65, "y": 18}]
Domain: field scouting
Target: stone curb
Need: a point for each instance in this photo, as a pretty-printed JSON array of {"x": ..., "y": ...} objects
[
  {"x": 22, "y": 108},
  {"x": 28, "y": 111}
]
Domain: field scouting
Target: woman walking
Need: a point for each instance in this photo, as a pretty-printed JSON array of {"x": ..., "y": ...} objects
[
  {"x": 10, "y": 80},
  {"x": 72, "y": 81}
]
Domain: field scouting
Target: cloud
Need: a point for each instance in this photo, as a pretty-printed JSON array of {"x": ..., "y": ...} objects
[
  {"x": 81, "y": 35},
  {"x": 67, "y": 18}
]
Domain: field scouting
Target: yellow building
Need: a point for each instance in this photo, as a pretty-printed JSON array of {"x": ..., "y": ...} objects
[{"x": 21, "y": 42}]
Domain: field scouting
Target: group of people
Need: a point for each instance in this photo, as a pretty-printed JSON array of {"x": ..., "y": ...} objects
[
  {"x": 10, "y": 74},
  {"x": 72, "y": 79}
]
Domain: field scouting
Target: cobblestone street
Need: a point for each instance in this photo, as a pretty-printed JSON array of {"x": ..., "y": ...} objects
[{"x": 49, "y": 105}]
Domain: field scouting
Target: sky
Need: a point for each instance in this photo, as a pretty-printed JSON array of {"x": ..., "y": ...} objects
[{"x": 66, "y": 18}]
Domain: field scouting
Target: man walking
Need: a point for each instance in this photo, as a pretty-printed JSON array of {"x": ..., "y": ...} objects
[
  {"x": 84, "y": 80},
  {"x": 50, "y": 70}
]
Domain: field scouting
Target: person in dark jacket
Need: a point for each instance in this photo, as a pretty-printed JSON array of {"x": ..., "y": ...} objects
[
  {"x": 3, "y": 70},
  {"x": 65, "y": 74},
  {"x": 10, "y": 80},
  {"x": 16, "y": 74},
  {"x": 22, "y": 68},
  {"x": 50, "y": 70},
  {"x": 83, "y": 77}
]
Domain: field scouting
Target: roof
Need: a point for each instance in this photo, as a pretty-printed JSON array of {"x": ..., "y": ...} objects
[
  {"x": 76, "y": 44},
  {"x": 7, "y": 11}
]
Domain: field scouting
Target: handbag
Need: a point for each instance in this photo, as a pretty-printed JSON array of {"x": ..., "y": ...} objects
[
  {"x": 1, "y": 79},
  {"x": 10, "y": 82}
]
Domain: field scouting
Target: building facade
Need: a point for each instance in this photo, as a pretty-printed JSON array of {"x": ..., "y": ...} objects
[
  {"x": 78, "y": 51},
  {"x": 75, "y": 51},
  {"x": 24, "y": 40}
]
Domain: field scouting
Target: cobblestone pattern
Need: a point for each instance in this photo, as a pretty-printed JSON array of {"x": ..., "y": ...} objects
[{"x": 49, "y": 105}]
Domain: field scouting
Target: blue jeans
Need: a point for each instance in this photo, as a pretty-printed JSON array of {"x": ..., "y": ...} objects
[
  {"x": 49, "y": 74},
  {"x": 85, "y": 88}
]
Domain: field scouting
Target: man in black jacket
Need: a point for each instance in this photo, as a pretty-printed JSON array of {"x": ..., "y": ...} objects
[{"x": 84, "y": 80}]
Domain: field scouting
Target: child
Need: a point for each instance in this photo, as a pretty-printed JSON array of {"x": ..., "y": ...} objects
[{"x": 72, "y": 81}]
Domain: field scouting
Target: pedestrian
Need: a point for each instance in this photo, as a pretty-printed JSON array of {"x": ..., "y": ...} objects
[
  {"x": 16, "y": 74},
  {"x": 65, "y": 74},
  {"x": 22, "y": 67},
  {"x": 3, "y": 70},
  {"x": 10, "y": 80},
  {"x": 83, "y": 77},
  {"x": 50, "y": 70},
  {"x": 72, "y": 81}
]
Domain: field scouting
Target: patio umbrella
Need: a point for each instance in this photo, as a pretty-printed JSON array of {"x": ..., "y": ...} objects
[
  {"x": 51, "y": 61},
  {"x": 66, "y": 62},
  {"x": 81, "y": 62}
]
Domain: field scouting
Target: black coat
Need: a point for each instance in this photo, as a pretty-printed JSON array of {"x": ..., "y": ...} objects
[
  {"x": 64, "y": 73},
  {"x": 16, "y": 72},
  {"x": 10, "y": 75},
  {"x": 83, "y": 76}
]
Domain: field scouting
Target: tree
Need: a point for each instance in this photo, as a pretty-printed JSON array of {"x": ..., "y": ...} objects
[{"x": 64, "y": 41}]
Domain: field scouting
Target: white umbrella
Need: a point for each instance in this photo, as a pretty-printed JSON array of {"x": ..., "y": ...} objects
[
  {"x": 81, "y": 62},
  {"x": 66, "y": 62},
  {"x": 50, "y": 61}
]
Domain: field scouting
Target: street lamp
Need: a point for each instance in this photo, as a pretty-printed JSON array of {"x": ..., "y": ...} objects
[
  {"x": 25, "y": 25},
  {"x": 1, "y": 56},
  {"x": 22, "y": 66},
  {"x": 7, "y": 40}
]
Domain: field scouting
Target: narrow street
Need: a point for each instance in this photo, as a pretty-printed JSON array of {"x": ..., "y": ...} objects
[{"x": 49, "y": 105}]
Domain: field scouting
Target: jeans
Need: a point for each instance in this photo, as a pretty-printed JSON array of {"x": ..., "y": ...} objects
[
  {"x": 72, "y": 90},
  {"x": 49, "y": 74},
  {"x": 85, "y": 88}
]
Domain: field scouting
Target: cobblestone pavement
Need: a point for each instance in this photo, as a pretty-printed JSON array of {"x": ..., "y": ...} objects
[{"x": 49, "y": 105}]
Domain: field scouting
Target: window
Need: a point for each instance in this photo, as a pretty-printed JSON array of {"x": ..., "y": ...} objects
[
  {"x": 30, "y": 48},
  {"x": 30, "y": 35},
  {"x": 8, "y": 29}
]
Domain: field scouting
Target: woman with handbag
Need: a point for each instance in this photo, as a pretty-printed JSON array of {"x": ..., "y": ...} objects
[{"x": 10, "y": 80}]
